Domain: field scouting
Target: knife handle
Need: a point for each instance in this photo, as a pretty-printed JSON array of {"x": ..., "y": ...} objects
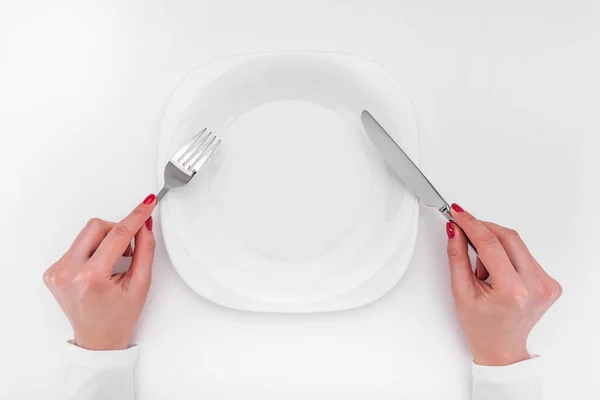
[{"x": 446, "y": 212}]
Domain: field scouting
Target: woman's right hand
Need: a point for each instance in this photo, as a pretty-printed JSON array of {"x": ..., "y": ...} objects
[{"x": 496, "y": 315}]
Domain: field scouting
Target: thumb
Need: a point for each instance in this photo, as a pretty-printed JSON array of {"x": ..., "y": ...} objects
[
  {"x": 140, "y": 272},
  {"x": 461, "y": 274}
]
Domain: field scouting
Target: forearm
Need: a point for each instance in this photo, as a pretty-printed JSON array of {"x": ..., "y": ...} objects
[
  {"x": 95, "y": 375},
  {"x": 519, "y": 381}
]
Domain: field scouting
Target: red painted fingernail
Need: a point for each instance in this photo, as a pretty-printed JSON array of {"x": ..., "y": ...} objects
[
  {"x": 149, "y": 223},
  {"x": 149, "y": 199},
  {"x": 450, "y": 229},
  {"x": 457, "y": 208}
]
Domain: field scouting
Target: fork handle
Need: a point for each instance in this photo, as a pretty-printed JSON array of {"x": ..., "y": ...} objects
[{"x": 162, "y": 193}]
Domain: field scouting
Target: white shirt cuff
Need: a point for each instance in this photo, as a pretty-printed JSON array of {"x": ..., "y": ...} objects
[
  {"x": 509, "y": 373},
  {"x": 100, "y": 359}
]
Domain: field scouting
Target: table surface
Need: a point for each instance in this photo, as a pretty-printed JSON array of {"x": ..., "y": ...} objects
[{"x": 507, "y": 98}]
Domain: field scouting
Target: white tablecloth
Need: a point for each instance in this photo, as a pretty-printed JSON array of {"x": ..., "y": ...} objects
[{"x": 507, "y": 96}]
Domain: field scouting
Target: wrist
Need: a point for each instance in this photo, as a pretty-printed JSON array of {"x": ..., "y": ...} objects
[
  {"x": 501, "y": 357},
  {"x": 100, "y": 344}
]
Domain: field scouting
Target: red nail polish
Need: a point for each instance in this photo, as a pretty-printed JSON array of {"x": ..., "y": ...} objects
[
  {"x": 149, "y": 199},
  {"x": 450, "y": 229},
  {"x": 457, "y": 208},
  {"x": 149, "y": 223}
]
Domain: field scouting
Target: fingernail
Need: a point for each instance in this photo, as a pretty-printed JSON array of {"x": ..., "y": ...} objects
[
  {"x": 457, "y": 208},
  {"x": 149, "y": 223},
  {"x": 149, "y": 199},
  {"x": 450, "y": 229}
]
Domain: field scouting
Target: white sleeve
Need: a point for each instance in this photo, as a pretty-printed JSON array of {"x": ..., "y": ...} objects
[
  {"x": 519, "y": 381},
  {"x": 96, "y": 375}
]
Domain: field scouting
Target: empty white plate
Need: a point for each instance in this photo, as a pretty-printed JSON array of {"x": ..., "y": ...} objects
[{"x": 297, "y": 211}]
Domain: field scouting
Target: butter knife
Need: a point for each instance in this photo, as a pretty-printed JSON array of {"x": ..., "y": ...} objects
[{"x": 404, "y": 167}]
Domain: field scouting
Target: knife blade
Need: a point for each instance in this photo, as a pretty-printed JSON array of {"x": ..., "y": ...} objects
[
  {"x": 403, "y": 166},
  {"x": 408, "y": 172}
]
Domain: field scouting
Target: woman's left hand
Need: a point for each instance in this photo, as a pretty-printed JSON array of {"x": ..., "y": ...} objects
[{"x": 103, "y": 307}]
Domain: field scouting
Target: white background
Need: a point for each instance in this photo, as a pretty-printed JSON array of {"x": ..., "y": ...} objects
[{"x": 507, "y": 96}]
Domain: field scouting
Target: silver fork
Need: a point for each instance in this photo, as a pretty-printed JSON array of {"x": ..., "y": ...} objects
[{"x": 188, "y": 160}]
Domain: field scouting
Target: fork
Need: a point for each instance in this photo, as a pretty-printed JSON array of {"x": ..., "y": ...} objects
[{"x": 188, "y": 160}]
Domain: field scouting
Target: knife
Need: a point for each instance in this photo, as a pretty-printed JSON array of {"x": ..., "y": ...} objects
[{"x": 404, "y": 167}]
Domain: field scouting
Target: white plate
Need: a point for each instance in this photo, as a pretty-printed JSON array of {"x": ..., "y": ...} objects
[{"x": 296, "y": 212}]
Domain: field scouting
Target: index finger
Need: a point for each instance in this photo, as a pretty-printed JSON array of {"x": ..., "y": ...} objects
[
  {"x": 120, "y": 236},
  {"x": 490, "y": 250}
]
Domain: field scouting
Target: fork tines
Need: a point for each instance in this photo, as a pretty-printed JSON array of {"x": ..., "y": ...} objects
[{"x": 195, "y": 152}]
